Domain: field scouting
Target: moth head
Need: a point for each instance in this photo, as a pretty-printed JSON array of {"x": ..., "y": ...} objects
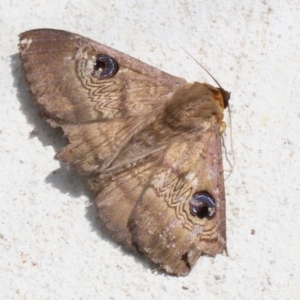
[
  {"x": 226, "y": 97},
  {"x": 220, "y": 95}
]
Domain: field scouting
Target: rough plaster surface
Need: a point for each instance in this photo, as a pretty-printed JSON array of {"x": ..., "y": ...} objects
[{"x": 51, "y": 246}]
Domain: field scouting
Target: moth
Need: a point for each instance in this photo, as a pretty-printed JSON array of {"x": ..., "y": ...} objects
[{"x": 150, "y": 142}]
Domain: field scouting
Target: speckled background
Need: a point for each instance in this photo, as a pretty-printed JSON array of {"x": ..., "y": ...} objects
[{"x": 51, "y": 246}]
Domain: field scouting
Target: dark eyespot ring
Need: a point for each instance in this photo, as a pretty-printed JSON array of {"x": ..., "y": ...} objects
[
  {"x": 105, "y": 66},
  {"x": 203, "y": 205}
]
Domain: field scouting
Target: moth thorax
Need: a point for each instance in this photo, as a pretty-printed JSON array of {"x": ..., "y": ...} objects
[{"x": 192, "y": 105}]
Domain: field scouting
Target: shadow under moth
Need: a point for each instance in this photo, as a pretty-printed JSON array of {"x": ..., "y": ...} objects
[{"x": 151, "y": 143}]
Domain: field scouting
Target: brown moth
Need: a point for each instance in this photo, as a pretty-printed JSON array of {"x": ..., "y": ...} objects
[{"x": 150, "y": 141}]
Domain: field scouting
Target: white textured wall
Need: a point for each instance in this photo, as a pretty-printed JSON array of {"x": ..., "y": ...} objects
[{"x": 51, "y": 246}]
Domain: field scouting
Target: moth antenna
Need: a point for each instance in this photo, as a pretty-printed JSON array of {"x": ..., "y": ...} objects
[
  {"x": 197, "y": 62},
  {"x": 231, "y": 146}
]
